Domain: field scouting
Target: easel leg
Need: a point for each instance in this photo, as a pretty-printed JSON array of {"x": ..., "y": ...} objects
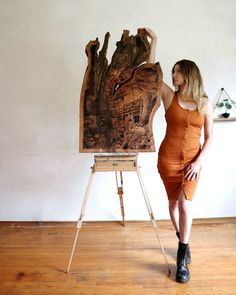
[
  {"x": 154, "y": 223},
  {"x": 120, "y": 192},
  {"x": 79, "y": 224}
]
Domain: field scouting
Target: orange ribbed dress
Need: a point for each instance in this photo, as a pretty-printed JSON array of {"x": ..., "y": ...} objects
[{"x": 179, "y": 148}]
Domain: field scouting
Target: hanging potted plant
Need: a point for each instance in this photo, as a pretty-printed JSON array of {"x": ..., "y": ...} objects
[{"x": 225, "y": 104}]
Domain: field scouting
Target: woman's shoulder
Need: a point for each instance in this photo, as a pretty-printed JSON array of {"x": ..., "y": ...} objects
[{"x": 207, "y": 105}]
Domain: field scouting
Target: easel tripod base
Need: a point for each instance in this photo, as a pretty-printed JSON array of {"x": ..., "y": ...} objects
[{"x": 116, "y": 163}]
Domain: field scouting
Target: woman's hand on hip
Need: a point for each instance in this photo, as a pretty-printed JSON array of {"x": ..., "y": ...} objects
[{"x": 193, "y": 171}]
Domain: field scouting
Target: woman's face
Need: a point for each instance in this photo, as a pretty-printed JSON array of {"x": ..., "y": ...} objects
[{"x": 178, "y": 77}]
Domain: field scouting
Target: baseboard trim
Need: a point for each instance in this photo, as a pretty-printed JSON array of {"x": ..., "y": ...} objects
[{"x": 164, "y": 222}]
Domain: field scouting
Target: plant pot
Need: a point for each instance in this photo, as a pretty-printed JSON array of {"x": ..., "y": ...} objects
[{"x": 225, "y": 115}]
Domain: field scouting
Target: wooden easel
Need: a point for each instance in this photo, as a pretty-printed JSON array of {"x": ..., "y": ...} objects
[{"x": 116, "y": 163}]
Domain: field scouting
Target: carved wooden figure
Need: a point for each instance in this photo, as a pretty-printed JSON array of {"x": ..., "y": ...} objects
[{"x": 118, "y": 101}]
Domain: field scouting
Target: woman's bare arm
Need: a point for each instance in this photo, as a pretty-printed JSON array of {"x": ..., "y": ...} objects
[
  {"x": 194, "y": 168},
  {"x": 167, "y": 93}
]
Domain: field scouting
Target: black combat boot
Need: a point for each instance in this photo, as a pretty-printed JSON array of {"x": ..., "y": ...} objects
[
  {"x": 182, "y": 274},
  {"x": 188, "y": 255}
]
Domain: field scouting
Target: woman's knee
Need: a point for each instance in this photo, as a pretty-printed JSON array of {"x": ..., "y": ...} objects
[
  {"x": 184, "y": 208},
  {"x": 184, "y": 204},
  {"x": 173, "y": 204}
]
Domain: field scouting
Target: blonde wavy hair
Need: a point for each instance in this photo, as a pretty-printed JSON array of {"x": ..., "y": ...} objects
[{"x": 194, "y": 89}]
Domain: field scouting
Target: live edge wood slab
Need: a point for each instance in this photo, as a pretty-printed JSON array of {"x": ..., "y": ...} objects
[{"x": 118, "y": 100}]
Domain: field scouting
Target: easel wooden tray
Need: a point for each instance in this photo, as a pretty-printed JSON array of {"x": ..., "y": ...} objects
[{"x": 115, "y": 163}]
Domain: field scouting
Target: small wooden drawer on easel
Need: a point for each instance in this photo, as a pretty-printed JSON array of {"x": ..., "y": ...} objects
[{"x": 115, "y": 163}]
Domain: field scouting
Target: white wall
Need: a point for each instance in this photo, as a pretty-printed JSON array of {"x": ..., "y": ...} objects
[{"x": 42, "y": 174}]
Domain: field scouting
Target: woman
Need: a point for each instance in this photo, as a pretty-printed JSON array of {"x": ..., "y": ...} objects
[{"x": 180, "y": 158}]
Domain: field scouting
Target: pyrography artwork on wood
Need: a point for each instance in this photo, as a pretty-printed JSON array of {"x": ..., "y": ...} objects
[{"x": 118, "y": 101}]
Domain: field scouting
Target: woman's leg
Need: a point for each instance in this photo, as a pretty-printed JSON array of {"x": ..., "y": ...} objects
[
  {"x": 174, "y": 213},
  {"x": 183, "y": 253},
  {"x": 185, "y": 217}
]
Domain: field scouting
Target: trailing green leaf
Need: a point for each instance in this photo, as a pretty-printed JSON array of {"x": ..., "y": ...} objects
[
  {"x": 220, "y": 104},
  {"x": 228, "y": 106}
]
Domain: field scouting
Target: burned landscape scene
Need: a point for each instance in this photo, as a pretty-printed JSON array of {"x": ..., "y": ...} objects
[{"x": 118, "y": 101}]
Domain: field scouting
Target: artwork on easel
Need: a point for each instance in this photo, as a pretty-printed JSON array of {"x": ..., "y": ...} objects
[
  {"x": 118, "y": 100},
  {"x": 225, "y": 107}
]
